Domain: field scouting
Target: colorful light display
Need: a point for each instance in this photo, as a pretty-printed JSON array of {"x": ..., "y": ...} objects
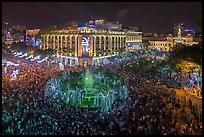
[
  {"x": 84, "y": 89},
  {"x": 99, "y": 22},
  {"x": 8, "y": 63}
]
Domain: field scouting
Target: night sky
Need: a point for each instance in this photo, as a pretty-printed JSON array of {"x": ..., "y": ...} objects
[{"x": 153, "y": 16}]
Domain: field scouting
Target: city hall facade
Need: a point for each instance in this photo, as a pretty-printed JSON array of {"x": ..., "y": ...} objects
[{"x": 91, "y": 44}]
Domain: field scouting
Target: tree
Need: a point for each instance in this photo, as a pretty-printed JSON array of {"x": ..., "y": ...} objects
[
  {"x": 189, "y": 53},
  {"x": 187, "y": 66}
]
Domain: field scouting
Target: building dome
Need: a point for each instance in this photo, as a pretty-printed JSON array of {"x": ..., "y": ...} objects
[
  {"x": 170, "y": 37},
  {"x": 188, "y": 36}
]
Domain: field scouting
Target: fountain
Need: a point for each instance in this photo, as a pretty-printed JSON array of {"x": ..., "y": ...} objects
[{"x": 97, "y": 89}]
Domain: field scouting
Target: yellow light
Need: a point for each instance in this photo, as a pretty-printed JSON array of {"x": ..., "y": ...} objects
[
  {"x": 186, "y": 66},
  {"x": 31, "y": 52}
]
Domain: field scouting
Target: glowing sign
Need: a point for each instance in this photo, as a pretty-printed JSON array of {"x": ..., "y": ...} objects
[
  {"x": 37, "y": 42},
  {"x": 85, "y": 44},
  {"x": 133, "y": 43},
  {"x": 99, "y": 22},
  {"x": 85, "y": 41},
  {"x": 189, "y": 30}
]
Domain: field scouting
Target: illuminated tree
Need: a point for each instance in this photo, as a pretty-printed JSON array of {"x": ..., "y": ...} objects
[{"x": 188, "y": 67}]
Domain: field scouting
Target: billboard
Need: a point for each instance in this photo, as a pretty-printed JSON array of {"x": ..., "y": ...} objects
[{"x": 85, "y": 45}]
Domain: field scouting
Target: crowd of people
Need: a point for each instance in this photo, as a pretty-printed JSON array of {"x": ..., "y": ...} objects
[
  {"x": 20, "y": 94},
  {"x": 145, "y": 111},
  {"x": 136, "y": 77}
]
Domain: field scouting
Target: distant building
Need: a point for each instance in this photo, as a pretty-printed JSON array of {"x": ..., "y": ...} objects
[
  {"x": 19, "y": 28},
  {"x": 12, "y": 34},
  {"x": 170, "y": 42},
  {"x": 5, "y": 27},
  {"x": 19, "y": 37},
  {"x": 166, "y": 43},
  {"x": 72, "y": 23},
  {"x": 133, "y": 39},
  {"x": 162, "y": 45},
  {"x": 114, "y": 26}
]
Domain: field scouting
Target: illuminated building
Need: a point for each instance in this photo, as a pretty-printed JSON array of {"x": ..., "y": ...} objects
[
  {"x": 133, "y": 40},
  {"x": 18, "y": 37},
  {"x": 90, "y": 44},
  {"x": 12, "y": 34},
  {"x": 162, "y": 45},
  {"x": 170, "y": 41}
]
